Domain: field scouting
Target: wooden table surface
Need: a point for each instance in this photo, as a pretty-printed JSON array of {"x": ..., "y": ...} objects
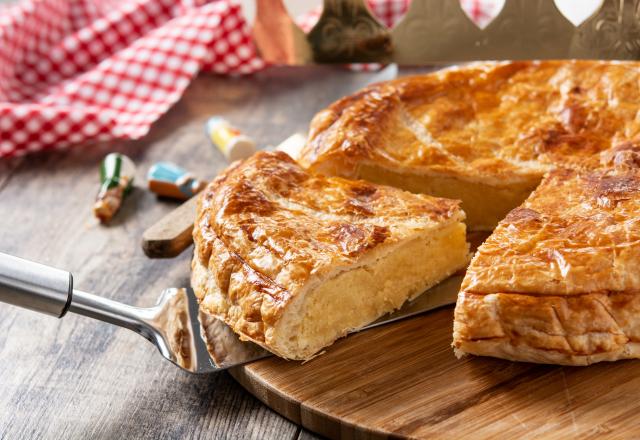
[{"x": 79, "y": 378}]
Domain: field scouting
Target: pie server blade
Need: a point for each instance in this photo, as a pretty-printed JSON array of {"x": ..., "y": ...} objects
[{"x": 195, "y": 342}]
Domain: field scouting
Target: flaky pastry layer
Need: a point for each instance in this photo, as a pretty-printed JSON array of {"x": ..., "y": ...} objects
[
  {"x": 268, "y": 234},
  {"x": 498, "y": 125},
  {"x": 557, "y": 281}
]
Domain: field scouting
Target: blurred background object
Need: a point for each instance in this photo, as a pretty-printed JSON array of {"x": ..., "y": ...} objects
[
  {"x": 95, "y": 70},
  {"x": 575, "y": 10}
]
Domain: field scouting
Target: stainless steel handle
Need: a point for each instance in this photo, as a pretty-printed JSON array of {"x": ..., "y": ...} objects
[
  {"x": 35, "y": 286},
  {"x": 44, "y": 289}
]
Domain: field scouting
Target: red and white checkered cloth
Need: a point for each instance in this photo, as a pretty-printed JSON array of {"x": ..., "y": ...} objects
[{"x": 75, "y": 71}]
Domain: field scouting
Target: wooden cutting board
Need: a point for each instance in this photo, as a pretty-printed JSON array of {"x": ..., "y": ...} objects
[{"x": 403, "y": 380}]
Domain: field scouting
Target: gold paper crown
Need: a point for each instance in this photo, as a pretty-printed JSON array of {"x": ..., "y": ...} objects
[{"x": 440, "y": 31}]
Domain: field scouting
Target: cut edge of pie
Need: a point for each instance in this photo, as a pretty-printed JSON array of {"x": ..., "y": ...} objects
[
  {"x": 577, "y": 330},
  {"x": 484, "y": 133},
  {"x": 404, "y": 244},
  {"x": 557, "y": 282}
]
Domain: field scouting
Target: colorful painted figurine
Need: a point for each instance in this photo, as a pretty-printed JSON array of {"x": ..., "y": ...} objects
[
  {"x": 230, "y": 141},
  {"x": 169, "y": 180},
  {"x": 116, "y": 177}
]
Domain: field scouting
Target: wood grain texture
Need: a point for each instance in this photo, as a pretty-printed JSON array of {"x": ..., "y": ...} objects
[
  {"x": 172, "y": 234},
  {"x": 403, "y": 380},
  {"x": 76, "y": 378}
]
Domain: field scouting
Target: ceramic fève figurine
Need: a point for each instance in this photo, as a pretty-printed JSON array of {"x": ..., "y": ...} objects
[
  {"x": 229, "y": 140},
  {"x": 116, "y": 178},
  {"x": 170, "y": 180}
]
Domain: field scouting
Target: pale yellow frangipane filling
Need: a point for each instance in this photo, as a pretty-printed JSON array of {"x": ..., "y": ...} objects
[
  {"x": 485, "y": 205},
  {"x": 357, "y": 297}
]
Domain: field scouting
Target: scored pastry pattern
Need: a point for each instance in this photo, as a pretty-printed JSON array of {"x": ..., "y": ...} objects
[{"x": 495, "y": 124}]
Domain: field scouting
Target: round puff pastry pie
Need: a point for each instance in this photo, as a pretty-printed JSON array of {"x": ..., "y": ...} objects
[
  {"x": 293, "y": 260},
  {"x": 558, "y": 281},
  {"x": 484, "y": 133}
]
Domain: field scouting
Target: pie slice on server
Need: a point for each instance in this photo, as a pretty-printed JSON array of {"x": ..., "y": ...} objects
[
  {"x": 293, "y": 260},
  {"x": 559, "y": 279}
]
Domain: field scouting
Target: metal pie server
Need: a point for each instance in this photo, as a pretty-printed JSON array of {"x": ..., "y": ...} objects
[{"x": 195, "y": 343}]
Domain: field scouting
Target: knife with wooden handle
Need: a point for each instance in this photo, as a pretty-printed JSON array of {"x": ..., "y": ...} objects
[{"x": 171, "y": 235}]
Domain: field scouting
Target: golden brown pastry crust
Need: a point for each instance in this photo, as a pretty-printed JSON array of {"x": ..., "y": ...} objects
[
  {"x": 265, "y": 227},
  {"x": 495, "y": 123},
  {"x": 558, "y": 280}
]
